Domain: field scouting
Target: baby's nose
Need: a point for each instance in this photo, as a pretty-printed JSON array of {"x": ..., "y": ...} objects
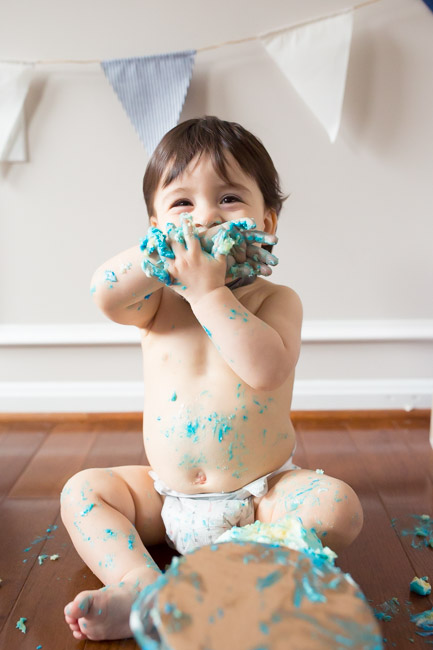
[{"x": 207, "y": 218}]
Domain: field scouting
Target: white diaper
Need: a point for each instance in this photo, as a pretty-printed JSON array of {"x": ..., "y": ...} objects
[{"x": 194, "y": 520}]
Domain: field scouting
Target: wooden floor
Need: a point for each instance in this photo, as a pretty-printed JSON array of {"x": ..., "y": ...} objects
[{"x": 386, "y": 457}]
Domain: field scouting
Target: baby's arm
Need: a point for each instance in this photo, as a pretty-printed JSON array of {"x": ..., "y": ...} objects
[
  {"x": 262, "y": 349},
  {"x": 123, "y": 292}
]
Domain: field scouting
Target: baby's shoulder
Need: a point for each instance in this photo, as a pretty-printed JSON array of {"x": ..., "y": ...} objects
[
  {"x": 263, "y": 290},
  {"x": 281, "y": 308}
]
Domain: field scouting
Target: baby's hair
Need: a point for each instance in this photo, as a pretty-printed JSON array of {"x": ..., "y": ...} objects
[{"x": 214, "y": 137}]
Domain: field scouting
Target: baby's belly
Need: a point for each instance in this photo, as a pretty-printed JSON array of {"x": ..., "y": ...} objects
[{"x": 214, "y": 443}]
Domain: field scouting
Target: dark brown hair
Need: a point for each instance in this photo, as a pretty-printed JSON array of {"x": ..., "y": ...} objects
[{"x": 214, "y": 137}]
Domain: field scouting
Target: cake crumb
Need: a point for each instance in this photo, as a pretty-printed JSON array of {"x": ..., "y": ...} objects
[
  {"x": 420, "y": 586},
  {"x": 21, "y": 625}
]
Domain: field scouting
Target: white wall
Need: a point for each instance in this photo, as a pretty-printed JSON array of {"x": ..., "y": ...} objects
[{"x": 355, "y": 235}]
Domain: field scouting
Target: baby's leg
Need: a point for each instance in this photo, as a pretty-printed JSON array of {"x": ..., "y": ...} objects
[
  {"x": 110, "y": 514},
  {"x": 326, "y": 504}
]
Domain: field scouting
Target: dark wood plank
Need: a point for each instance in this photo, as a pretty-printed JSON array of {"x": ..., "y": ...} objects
[
  {"x": 376, "y": 560},
  {"x": 108, "y": 423},
  {"x": 417, "y": 437},
  {"x": 405, "y": 490},
  {"x": 33, "y": 503},
  {"x": 47, "y": 588},
  {"x": 401, "y": 478},
  {"x": 31, "y": 423},
  {"x": 17, "y": 450},
  {"x": 115, "y": 449},
  {"x": 134, "y": 419},
  {"x": 48, "y": 419},
  {"x": 59, "y": 457},
  {"x": 422, "y": 416},
  {"x": 23, "y": 522}
]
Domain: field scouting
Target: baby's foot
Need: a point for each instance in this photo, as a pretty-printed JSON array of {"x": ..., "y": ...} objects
[{"x": 102, "y": 614}]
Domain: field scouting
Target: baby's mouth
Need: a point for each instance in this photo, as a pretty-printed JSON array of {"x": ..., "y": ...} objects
[{"x": 210, "y": 231}]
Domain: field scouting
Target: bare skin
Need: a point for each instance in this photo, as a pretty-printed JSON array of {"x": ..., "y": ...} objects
[{"x": 218, "y": 378}]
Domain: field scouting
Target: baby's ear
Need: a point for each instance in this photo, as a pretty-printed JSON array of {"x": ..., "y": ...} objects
[
  {"x": 271, "y": 221},
  {"x": 153, "y": 221}
]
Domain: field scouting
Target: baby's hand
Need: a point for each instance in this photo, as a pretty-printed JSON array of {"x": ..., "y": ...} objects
[
  {"x": 194, "y": 272},
  {"x": 237, "y": 240}
]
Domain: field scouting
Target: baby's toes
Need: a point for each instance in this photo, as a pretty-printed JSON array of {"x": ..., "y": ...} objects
[
  {"x": 77, "y": 634},
  {"x": 68, "y": 611},
  {"x": 81, "y": 605},
  {"x": 72, "y": 622}
]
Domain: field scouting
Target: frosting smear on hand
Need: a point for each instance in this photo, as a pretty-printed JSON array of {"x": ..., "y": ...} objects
[{"x": 228, "y": 240}]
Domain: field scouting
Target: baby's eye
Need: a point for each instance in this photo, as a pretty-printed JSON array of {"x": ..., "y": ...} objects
[
  {"x": 181, "y": 202},
  {"x": 231, "y": 198}
]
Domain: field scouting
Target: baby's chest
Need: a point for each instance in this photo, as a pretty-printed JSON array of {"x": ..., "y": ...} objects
[{"x": 183, "y": 351}]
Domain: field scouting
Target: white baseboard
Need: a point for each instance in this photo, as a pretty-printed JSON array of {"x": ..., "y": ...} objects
[
  {"x": 313, "y": 331},
  {"x": 362, "y": 394},
  {"x": 82, "y": 396},
  {"x": 309, "y": 395}
]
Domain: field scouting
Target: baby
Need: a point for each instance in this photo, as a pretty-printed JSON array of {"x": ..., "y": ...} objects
[{"x": 220, "y": 346}]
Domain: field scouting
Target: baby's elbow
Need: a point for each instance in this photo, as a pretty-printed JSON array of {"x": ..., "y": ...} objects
[
  {"x": 97, "y": 297},
  {"x": 102, "y": 298},
  {"x": 273, "y": 379},
  {"x": 275, "y": 373},
  {"x": 273, "y": 383}
]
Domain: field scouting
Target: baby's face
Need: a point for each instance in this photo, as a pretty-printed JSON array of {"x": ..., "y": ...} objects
[{"x": 210, "y": 200}]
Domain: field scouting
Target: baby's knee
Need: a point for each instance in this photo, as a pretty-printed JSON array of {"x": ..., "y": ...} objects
[
  {"x": 83, "y": 487},
  {"x": 92, "y": 488},
  {"x": 350, "y": 517}
]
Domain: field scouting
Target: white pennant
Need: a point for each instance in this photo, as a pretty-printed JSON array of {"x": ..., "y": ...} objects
[
  {"x": 314, "y": 59},
  {"x": 15, "y": 80}
]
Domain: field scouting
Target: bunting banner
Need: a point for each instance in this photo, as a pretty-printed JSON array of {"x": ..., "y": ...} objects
[
  {"x": 15, "y": 80},
  {"x": 429, "y": 4},
  {"x": 314, "y": 59},
  {"x": 152, "y": 90}
]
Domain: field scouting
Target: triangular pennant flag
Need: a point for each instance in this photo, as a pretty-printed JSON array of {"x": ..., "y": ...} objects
[
  {"x": 15, "y": 80},
  {"x": 429, "y": 4},
  {"x": 314, "y": 59},
  {"x": 152, "y": 90}
]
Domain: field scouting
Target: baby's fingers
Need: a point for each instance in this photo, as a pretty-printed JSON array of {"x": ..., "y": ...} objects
[
  {"x": 249, "y": 268},
  {"x": 241, "y": 270},
  {"x": 222, "y": 243},
  {"x": 206, "y": 242},
  {"x": 230, "y": 262},
  {"x": 261, "y": 255},
  {"x": 239, "y": 252},
  {"x": 190, "y": 232},
  {"x": 243, "y": 224},
  {"x": 260, "y": 237}
]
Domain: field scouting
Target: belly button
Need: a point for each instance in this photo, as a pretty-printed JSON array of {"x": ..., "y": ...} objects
[{"x": 200, "y": 478}]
